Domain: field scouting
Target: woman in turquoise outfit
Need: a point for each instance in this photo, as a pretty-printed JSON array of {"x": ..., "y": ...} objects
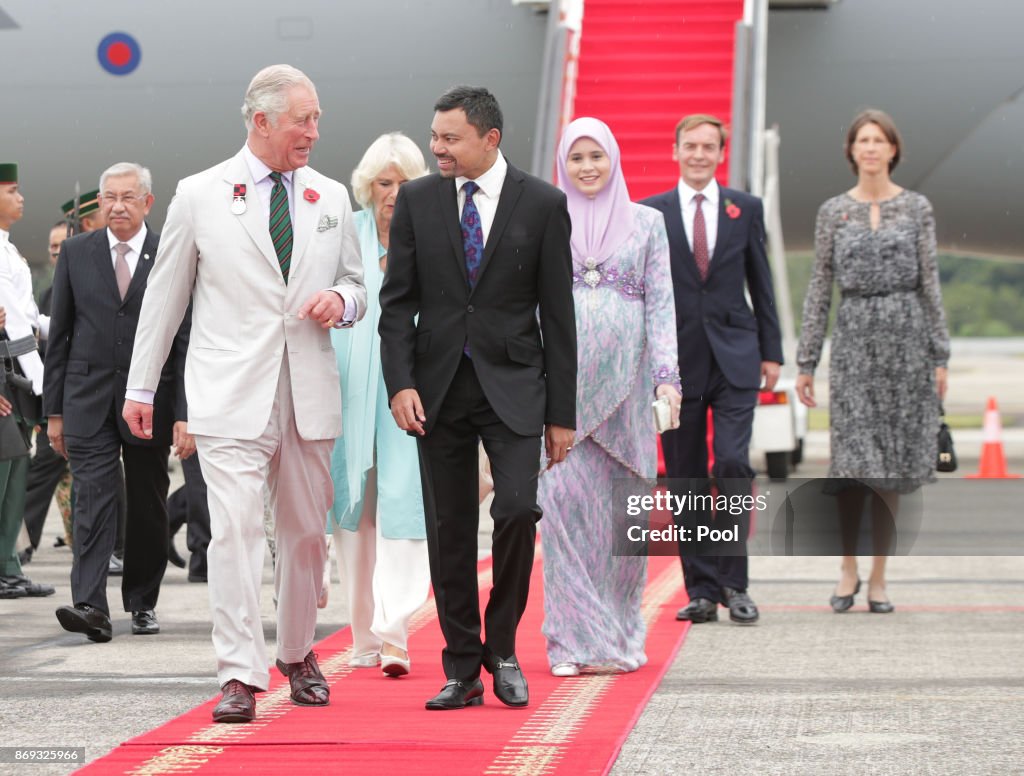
[
  {"x": 377, "y": 517},
  {"x": 627, "y": 355}
]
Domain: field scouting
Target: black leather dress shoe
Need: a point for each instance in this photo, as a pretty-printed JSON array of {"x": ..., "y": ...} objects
[
  {"x": 144, "y": 623},
  {"x": 509, "y": 683},
  {"x": 699, "y": 610},
  {"x": 11, "y": 591},
  {"x": 457, "y": 695},
  {"x": 742, "y": 608},
  {"x": 32, "y": 589},
  {"x": 309, "y": 688},
  {"x": 85, "y": 619},
  {"x": 237, "y": 705}
]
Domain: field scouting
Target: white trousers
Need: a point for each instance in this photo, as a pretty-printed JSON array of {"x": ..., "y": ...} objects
[
  {"x": 297, "y": 473},
  {"x": 387, "y": 579}
]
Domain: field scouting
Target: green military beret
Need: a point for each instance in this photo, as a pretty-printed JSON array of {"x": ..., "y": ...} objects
[{"x": 8, "y": 173}]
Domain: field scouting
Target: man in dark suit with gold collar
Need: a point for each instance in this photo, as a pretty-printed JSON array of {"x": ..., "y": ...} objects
[
  {"x": 98, "y": 288},
  {"x": 476, "y": 251},
  {"x": 726, "y": 350}
]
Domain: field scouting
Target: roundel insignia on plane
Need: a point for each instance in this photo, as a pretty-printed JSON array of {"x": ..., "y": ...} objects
[{"x": 119, "y": 53}]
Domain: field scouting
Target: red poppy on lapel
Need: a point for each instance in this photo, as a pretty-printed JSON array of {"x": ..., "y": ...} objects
[
  {"x": 732, "y": 209},
  {"x": 311, "y": 195}
]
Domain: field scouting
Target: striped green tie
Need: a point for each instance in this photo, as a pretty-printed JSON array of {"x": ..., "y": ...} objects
[{"x": 281, "y": 225}]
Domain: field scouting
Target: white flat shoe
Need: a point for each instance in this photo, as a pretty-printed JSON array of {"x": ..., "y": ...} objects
[
  {"x": 395, "y": 666},
  {"x": 565, "y": 669},
  {"x": 366, "y": 660}
]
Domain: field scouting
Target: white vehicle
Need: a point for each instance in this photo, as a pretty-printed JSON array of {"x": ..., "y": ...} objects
[{"x": 780, "y": 425}]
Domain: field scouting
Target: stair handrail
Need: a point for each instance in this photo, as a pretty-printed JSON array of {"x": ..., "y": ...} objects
[
  {"x": 772, "y": 198},
  {"x": 557, "y": 94}
]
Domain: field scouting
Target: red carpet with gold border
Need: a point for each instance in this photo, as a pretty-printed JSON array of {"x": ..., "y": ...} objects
[{"x": 378, "y": 725}]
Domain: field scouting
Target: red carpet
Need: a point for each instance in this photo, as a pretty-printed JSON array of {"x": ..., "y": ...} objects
[{"x": 377, "y": 725}]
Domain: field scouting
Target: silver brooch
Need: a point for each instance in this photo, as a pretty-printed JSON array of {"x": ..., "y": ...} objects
[{"x": 592, "y": 277}]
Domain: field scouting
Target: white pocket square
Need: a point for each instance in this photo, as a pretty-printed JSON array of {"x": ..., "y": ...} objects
[{"x": 326, "y": 222}]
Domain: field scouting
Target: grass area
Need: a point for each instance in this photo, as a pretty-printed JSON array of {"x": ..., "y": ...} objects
[{"x": 817, "y": 420}]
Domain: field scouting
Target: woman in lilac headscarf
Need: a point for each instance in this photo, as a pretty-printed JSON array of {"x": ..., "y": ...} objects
[{"x": 626, "y": 332}]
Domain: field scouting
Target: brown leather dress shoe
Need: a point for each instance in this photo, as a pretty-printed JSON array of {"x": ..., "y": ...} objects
[
  {"x": 237, "y": 705},
  {"x": 309, "y": 688}
]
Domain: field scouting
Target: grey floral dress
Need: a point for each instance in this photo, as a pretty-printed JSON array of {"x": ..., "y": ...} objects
[{"x": 890, "y": 335}]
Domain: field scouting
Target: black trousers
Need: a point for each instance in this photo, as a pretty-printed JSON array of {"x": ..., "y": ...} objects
[
  {"x": 96, "y": 468},
  {"x": 449, "y": 469},
  {"x": 686, "y": 457},
  {"x": 188, "y": 506},
  {"x": 44, "y": 473}
]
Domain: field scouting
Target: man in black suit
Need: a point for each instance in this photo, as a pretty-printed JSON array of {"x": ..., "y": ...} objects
[
  {"x": 726, "y": 351},
  {"x": 474, "y": 251},
  {"x": 98, "y": 289}
]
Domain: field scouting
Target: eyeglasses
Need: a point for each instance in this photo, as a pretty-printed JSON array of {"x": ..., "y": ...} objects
[{"x": 125, "y": 199}]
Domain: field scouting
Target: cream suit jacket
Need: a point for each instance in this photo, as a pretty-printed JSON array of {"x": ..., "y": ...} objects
[{"x": 244, "y": 315}]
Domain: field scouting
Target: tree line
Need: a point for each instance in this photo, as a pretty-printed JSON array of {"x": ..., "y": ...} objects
[{"x": 982, "y": 297}]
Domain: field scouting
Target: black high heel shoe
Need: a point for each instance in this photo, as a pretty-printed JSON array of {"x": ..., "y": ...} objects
[
  {"x": 841, "y": 603},
  {"x": 879, "y": 607}
]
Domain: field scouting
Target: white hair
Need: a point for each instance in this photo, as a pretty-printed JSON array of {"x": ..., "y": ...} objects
[
  {"x": 268, "y": 92},
  {"x": 392, "y": 148},
  {"x": 143, "y": 174}
]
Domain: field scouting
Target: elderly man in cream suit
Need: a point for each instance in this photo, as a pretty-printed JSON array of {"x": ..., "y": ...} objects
[{"x": 261, "y": 379}]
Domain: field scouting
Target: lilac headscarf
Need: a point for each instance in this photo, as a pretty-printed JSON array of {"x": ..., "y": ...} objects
[{"x": 602, "y": 224}]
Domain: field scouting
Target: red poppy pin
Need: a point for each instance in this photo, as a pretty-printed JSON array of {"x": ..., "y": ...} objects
[
  {"x": 311, "y": 195},
  {"x": 732, "y": 209}
]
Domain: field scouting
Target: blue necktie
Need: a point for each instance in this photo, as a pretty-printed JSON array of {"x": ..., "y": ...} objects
[{"x": 472, "y": 234}]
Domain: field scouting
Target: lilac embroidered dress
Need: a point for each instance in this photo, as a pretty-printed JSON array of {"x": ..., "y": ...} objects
[{"x": 626, "y": 344}]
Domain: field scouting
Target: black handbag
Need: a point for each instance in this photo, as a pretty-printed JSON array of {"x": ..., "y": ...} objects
[{"x": 947, "y": 455}]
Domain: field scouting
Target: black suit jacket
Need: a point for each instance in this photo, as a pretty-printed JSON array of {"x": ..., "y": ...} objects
[
  {"x": 526, "y": 363},
  {"x": 713, "y": 317},
  {"x": 92, "y": 333}
]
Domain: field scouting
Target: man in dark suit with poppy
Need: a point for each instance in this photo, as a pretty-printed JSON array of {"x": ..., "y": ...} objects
[
  {"x": 480, "y": 252},
  {"x": 726, "y": 352}
]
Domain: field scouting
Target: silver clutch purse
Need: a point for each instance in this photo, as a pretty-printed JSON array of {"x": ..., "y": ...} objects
[{"x": 662, "y": 415}]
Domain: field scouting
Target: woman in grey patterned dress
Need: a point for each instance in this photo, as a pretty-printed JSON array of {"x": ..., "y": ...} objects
[{"x": 890, "y": 345}]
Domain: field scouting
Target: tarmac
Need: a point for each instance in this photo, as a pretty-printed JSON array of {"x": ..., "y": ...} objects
[{"x": 937, "y": 687}]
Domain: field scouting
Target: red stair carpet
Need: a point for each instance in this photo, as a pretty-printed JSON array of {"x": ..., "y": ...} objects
[
  {"x": 643, "y": 65},
  {"x": 376, "y": 725}
]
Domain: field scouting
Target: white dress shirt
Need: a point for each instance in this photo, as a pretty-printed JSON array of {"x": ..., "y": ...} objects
[
  {"x": 19, "y": 304},
  {"x": 486, "y": 199},
  {"x": 264, "y": 187},
  {"x": 134, "y": 249},
  {"x": 712, "y": 195}
]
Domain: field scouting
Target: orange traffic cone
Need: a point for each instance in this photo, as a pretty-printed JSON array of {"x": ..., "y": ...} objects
[{"x": 993, "y": 462}]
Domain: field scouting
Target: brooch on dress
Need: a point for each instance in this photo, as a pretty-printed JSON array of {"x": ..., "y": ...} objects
[{"x": 592, "y": 275}]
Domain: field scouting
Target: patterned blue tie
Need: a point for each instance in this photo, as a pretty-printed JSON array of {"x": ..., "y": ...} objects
[{"x": 472, "y": 234}]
